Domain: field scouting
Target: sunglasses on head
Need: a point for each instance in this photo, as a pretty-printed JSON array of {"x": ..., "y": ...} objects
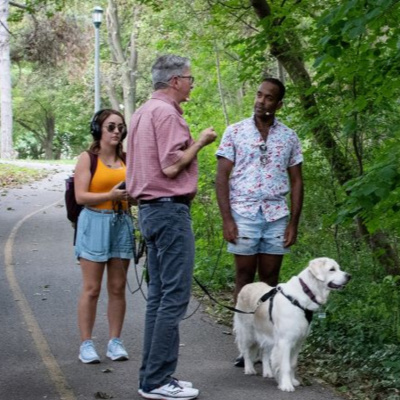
[{"x": 111, "y": 127}]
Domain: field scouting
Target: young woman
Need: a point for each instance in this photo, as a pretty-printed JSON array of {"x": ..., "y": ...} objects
[{"x": 104, "y": 237}]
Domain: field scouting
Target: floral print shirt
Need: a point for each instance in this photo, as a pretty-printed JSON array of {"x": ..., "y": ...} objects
[{"x": 259, "y": 176}]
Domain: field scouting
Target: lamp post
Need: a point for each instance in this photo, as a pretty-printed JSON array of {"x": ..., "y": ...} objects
[{"x": 97, "y": 16}]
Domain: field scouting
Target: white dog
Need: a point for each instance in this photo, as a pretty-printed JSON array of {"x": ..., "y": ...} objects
[{"x": 281, "y": 319}]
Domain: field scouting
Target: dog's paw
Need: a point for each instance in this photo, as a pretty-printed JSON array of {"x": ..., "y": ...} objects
[
  {"x": 268, "y": 374},
  {"x": 295, "y": 382},
  {"x": 286, "y": 387},
  {"x": 267, "y": 371},
  {"x": 250, "y": 371}
]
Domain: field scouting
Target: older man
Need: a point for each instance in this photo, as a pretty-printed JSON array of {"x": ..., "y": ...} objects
[{"x": 162, "y": 176}]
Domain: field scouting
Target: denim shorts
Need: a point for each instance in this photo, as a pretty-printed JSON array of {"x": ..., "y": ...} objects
[
  {"x": 257, "y": 236},
  {"x": 101, "y": 236}
]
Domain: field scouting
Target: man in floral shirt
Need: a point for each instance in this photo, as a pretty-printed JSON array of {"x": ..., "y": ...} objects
[{"x": 259, "y": 162}]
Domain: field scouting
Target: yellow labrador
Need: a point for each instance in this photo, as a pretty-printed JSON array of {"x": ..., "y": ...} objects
[{"x": 281, "y": 319}]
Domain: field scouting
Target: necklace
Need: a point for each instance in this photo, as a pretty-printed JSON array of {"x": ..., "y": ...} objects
[{"x": 111, "y": 164}]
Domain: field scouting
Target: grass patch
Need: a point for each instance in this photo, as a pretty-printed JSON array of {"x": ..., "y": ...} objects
[{"x": 12, "y": 175}]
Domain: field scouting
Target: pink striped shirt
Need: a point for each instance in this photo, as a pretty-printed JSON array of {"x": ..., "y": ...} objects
[{"x": 157, "y": 138}]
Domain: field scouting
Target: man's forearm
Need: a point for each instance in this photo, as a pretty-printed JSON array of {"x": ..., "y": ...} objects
[
  {"x": 223, "y": 197},
  {"x": 296, "y": 199},
  {"x": 206, "y": 137},
  {"x": 188, "y": 156}
]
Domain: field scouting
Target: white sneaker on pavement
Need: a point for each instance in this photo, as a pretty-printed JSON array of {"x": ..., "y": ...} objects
[
  {"x": 184, "y": 384},
  {"x": 87, "y": 353},
  {"x": 116, "y": 350},
  {"x": 171, "y": 390}
]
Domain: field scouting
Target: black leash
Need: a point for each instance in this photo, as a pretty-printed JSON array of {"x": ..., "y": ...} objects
[
  {"x": 263, "y": 299},
  {"x": 212, "y": 275},
  {"x": 217, "y": 302}
]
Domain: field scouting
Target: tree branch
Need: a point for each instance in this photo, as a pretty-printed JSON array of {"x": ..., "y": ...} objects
[
  {"x": 38, "y": 134},
  {"x": 13, "y": 3}
]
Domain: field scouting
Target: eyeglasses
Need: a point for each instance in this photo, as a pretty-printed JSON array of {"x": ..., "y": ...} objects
[
  {"x": 111, "y": 127},
  {"x": 190, "y": 77},
  {"x": 263, "y": 156}
]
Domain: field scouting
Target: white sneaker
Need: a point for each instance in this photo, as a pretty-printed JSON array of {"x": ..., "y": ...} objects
[
  {"x": 171, "y": 390},
  {"x": 87, "y": 353},
  {"x": 116, "y": 350},
  {"x": 184, "y": 384}
]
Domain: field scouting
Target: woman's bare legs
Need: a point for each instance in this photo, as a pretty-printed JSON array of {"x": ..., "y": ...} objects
[
  {"x": 92, "y": 274},
  {"x": 117, "y": 270}
]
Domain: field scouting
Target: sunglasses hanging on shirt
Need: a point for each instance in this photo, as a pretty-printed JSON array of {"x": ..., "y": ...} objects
[{"x": 263, "y": 156}]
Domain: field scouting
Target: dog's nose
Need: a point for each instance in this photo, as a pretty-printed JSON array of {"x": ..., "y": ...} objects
[{"x": 348, "y": 277}]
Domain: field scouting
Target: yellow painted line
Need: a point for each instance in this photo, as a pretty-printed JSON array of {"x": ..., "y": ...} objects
[{"x": 41, "y": 344}]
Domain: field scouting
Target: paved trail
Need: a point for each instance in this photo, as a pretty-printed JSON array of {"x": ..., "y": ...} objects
[{"x": 39, "y": 286}]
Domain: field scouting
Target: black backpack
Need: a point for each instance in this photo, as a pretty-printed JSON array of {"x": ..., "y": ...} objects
[{"x": 73, "y": 208}]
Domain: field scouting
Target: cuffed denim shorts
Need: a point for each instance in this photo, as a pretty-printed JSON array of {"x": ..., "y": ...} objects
[
  {"x": 259, "y": 236},
  {"x": 101, "y": 236}
]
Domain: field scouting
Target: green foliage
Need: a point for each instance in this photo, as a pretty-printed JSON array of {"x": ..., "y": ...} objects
[
  {"x": 34, "y": 6},
  {"x": 375, "y": 195},
  {"x": 37, "y": 97},
  {"x": 356, "y": 355}
]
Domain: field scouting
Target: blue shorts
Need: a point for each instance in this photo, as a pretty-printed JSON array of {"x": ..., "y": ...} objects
[
  {"x": 101, "y": 236},
  {"x": 259, "y": 236}
]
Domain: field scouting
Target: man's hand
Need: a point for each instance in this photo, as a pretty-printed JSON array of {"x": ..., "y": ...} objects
[
  {"x": 207, "y": 136},
  {"x": 290, "y": 235},
  {"x": 230, "y": 230}
]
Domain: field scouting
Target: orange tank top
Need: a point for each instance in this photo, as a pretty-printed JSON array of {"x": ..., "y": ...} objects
[{"x": 104, "y": 179}]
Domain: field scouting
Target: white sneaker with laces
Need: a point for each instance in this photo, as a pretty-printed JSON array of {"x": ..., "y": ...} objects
[
  {"x": 184, "y": 384},
  {"x": 87, "y": 353},
  {"x": 116, "y": 350},
  {"x": 171, "y": 390}
]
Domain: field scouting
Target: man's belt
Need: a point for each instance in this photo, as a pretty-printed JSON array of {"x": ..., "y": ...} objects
[{"x": 173, "y": 199}]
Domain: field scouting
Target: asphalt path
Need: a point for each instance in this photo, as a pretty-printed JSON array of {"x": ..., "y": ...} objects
[{"x": 39, "y": 286}]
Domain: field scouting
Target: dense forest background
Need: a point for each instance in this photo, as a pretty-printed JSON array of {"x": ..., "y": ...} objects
[{"x": 340, "y": 61}]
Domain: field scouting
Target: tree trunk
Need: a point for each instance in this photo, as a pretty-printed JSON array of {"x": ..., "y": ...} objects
[
  {"x": 221, "y": 93},
  {"x": 6, "y": 116},
  {"x": 289, "y": 56},
  {"x": 127, "y": 66},
  {"x": 50, "y": 124},
  {"x": 112, "y": 92}
]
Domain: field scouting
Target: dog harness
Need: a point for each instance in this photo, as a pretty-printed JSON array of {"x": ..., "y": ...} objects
[{"x": 271, "y": 295}]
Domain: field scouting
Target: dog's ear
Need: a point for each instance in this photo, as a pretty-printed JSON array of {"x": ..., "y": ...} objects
[{"x": 316, "y": 268}]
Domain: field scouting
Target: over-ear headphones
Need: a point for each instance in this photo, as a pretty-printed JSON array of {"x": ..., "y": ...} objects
[{"x": 95, "y": 128}]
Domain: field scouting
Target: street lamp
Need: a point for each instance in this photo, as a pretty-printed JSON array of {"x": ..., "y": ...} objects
[{"x": 97, "y": 16}]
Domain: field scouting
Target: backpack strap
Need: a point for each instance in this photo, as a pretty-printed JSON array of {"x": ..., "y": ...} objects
[{"x": 93, "y": 162}]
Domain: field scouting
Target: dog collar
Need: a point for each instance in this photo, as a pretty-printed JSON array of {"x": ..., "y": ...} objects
[{"x": 308, "y": 292}]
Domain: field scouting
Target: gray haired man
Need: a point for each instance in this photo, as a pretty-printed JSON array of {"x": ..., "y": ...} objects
[{"x": 162, "y": 176}]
